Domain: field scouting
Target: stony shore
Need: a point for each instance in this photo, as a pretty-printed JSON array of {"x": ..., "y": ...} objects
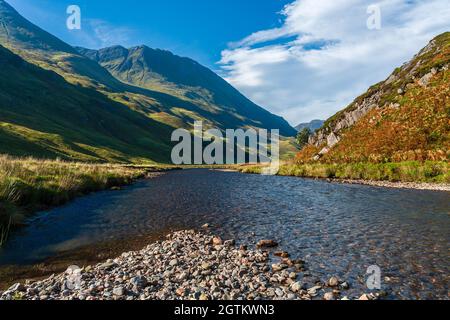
[
  {"x": 188, "y": 265},
  {"x": 384, "y": 184},
  {"x": 399, "y": 185}
]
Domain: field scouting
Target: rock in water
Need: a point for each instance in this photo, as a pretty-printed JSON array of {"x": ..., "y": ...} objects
[
  {"x": 282, "y": 254},
  {"x": 333, "y": 282},
  {"x": 267, "y": 244}
]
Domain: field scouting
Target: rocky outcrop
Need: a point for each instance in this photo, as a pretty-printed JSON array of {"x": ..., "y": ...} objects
[
  {"x": 425, "y": 80},
  {"x": 330, "y": 136}
]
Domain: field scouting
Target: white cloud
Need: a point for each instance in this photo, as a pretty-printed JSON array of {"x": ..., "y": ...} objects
[
  {"x": 109, "y": 35},
  {"x": 325, "y": 56},
  {"x": 97, "y": 33}
]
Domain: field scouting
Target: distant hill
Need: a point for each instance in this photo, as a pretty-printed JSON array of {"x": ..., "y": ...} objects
[
  {"x": 209, "y": 96},
  {"x": 313, "y": 125},
  {"x": 57, "y": 102},
  {"x": 406, "y": 117}
]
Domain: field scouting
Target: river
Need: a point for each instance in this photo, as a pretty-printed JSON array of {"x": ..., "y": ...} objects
[{"x": 337, "y": 229}]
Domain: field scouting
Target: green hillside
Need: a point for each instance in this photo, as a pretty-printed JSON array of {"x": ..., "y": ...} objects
[
  {"x": 56, "y": 102},
  {"x": 206, "y": 96},
  {"x": 43, "y": 115}
]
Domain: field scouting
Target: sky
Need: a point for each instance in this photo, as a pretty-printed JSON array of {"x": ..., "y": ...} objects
[{"x": 301, "y": 59}]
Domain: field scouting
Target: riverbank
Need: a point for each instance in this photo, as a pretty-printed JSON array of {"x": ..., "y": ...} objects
[
  {"x": 187, "y": 265},
  {"x": 403, "y": 175},
  {"x": 29, "y": 185},
  {"x": 397, "y": 185}
]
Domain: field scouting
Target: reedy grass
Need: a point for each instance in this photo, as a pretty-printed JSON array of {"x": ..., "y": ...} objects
[
  {"x": 28, "y": 185},
  {"x": 412, "y": 171}
]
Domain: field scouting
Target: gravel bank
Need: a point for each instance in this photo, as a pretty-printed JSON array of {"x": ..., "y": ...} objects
[
  {"x": 384, "y": 184},
  {"x": 400, "y": 185},
  {"x": 188, "y": 265}
]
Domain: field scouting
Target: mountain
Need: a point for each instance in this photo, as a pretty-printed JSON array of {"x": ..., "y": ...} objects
[
  {"x": 47, "y": 51},
  {"x": 56, "y": 102},
  {"x": 43, "y": 115},
  {"x": 313, "y": 125},
  {"x": 406, "y": 117},
  {"x": 211, "y": 97}
]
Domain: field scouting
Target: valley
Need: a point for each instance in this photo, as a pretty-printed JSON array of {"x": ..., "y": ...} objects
[{"x": 93, "y": 205}]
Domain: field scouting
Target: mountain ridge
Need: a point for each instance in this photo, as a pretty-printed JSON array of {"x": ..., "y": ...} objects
[
  {"x": 87, "y": 88},
  {"x": 163, "y": 71},
  {"x": 312, "y": 125},
  {"x": 43, "y": 115}
]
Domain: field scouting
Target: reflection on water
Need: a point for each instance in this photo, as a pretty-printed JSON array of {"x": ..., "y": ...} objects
[{"x": 338, "y": 229}]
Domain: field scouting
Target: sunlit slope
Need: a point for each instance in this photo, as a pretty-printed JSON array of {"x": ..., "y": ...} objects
[
  {"x": 43, "y": 115},
  {"x": 205, "y": 95},
  {"x": 404, "y": 118},
  {"x": 176, "y": 100}
]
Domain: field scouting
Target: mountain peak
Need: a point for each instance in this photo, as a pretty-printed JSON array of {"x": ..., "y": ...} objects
[
  {"x": 162, "y": 71},
  {"x": 16, "y": 31},
  {"x": 312, "y": 125}
]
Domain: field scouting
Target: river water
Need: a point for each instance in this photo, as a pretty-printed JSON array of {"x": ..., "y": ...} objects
[{"x": 337, "y": 229}]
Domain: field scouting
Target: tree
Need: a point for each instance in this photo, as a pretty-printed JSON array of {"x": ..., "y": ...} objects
[{"x": 303, "y": 137}]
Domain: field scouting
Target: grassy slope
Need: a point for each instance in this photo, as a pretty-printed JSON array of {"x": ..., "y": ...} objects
[
  {"x": 73, "y": 115},
  {"x": 205, "y": 95},
  {"x": 27, "y": 185},
  {"x": 417, "y": 128},
  {"x": 98, "y": 97},
  {"x": 43, "y": 115},
  {"x": 436, "y": 57}
]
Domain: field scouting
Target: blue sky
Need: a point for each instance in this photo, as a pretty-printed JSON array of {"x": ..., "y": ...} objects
[
  {"x": 200, "y": 29},
  {"x": 301, "y": 59}
]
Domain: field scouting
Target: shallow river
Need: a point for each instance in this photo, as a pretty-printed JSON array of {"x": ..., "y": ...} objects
[{"x": 337, "y": 229}]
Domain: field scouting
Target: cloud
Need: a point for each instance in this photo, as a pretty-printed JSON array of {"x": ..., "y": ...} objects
[
  {"x": 97, "y": 33},
  {"x": 109, "y": 35},
  {"x": 324, "y": 55}
]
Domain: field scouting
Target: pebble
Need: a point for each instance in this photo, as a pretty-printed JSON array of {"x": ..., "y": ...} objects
[
  {"x": 329, "y": 296},
  {"x": 119, "y": 291},
  {"x": 333, "y": 282},
  {"x": 364, "y": 297},
  {"x": 296, "y": 287},
  {"x": 187, "y": 265},
  {"x": 279, "y": 267},
  {"x": 314, "y": 291},
  {"x": 173, "y": 262},
  {"x": 217, "y": 241}
]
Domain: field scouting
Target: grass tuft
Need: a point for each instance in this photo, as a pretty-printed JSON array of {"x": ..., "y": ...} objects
[
  {"x": 28, "y": 185},
  {"x": 412, "y": 171}
]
